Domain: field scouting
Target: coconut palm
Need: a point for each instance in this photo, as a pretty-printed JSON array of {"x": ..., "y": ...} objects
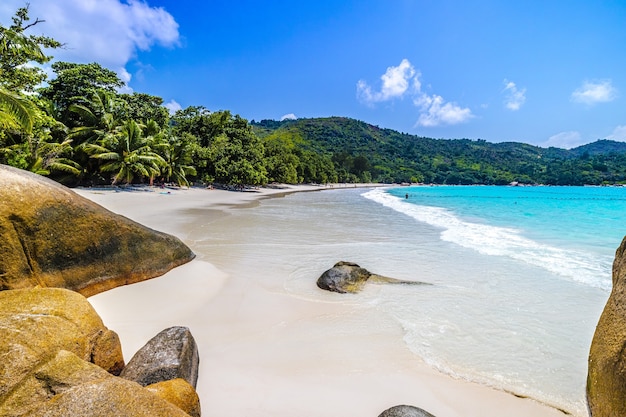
[
  {"x": 177, "y": 155},
  {"x": 43, "y": 156},
  {"x": 127, "y": 155},
  {"x": 16, "y": 112},
  {"x": 97, "y": 117}
]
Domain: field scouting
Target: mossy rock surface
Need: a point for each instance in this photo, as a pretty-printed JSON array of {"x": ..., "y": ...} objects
[
  {"x": 606, "y": 380},
  {"x": 52, "y": 237},
  {"x": 37, "y": 323}
]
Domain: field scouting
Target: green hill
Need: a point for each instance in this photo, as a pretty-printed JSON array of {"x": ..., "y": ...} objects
[
  {"x": 600, "y": 147},
  {"x": 363, "y": 152}
]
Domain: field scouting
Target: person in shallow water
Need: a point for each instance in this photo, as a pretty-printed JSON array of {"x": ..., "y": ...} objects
[{"x": 406, "y": 196}]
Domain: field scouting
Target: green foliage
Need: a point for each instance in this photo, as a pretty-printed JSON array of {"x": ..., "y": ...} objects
[
  {"x": 16, "y": 112},
  {"x": 143, "y": 107},
  {"x": 17, "y": 49},
  {"x": 225, "y": 149},
  {"x": 362, "y": 152},
  {"x": 127, "y": 154},
  {"x": 177, "y": 154},
  {"x": 77, "y": 82}
]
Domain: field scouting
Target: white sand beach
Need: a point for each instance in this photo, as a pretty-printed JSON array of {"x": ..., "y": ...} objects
[{"x": 264, "y": 352}]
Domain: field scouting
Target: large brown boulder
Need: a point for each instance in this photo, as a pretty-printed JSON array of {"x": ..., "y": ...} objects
[
  {"x": 606, "y": 380},
  {"x": 171, "y": 354},
  {"x": 52, "y": 237},
  {"x": 37, "y": 323},
  {"x": 67, "y": 386}
]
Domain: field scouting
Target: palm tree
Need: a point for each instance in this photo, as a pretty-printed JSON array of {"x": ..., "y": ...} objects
[
  {"x": 16, "y": 112},
  {"x": 127, "y": 155},
  {"x": 43, "y": 157},
  {"x": 97, "y": 117},
  {"x": 178, "y": 159}
]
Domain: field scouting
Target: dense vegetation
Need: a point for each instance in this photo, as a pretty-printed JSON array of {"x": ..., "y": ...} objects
[
  {"x": 77, "y": 128},
  {"x": 362, "y": 152}
]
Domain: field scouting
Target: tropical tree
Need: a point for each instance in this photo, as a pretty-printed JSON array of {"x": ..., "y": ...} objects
[
  {"x": 127, "y": 155},
  {"x": 77, "y": 84},
  {"x": 18, "y": 49},
  {"x": 197, "y": 121},
  {"x": 177, "y": 154},
  {"x": 16, "y": 112},
  {"x": 98, "y": 116},
  {"x": 143, "y": 107},
  {"x": 280, "y": 161},
  {"x": 42, "y": 156}
]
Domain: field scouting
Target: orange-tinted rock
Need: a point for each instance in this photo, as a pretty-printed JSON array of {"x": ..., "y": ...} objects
[
  {"x": 37, "y": 323},
  {"x": 606, "y": 380},
  {"x": 52, "y": 237},
  {"x": 180, "y": 393}
]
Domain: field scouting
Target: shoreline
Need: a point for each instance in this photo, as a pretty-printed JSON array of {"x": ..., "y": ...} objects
[{"x": 243, "y": 354}]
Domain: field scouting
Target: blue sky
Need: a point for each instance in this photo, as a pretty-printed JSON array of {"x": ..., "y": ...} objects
[{"x": 550, "y": 73}]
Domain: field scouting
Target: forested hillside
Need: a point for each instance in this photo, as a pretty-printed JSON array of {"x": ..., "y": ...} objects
[{"x": 362, "y": 152}]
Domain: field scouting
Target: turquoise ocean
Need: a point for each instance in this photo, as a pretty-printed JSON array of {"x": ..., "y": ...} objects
[{"x": 520, "y": 274}]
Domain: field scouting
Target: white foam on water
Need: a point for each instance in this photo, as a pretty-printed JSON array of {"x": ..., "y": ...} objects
[{"x": 586, "y": 268}]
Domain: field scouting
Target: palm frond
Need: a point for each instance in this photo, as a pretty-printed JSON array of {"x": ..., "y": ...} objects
[{"x": 16, "y": 111}]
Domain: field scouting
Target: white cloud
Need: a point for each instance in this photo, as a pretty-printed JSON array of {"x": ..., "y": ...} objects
[
  {"x": 619, "y": 134},
  {"x": 289, "y": 116},
  {"x": 565, "y": 140},
  {"x": 109, "y": 32},
  {"x": 515, "y": 97},
  {"x": 404, "y": 79},
  {"x": 126, "y": 77},
  {"x": 395, "y": 83},
  {"x": 173, "y": 106},
  {"x": 435, "y": 112},
  {"x": 591, "y": 93}
]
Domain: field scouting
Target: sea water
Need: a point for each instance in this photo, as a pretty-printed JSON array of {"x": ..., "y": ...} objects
[{"x": 520, "y": 274}]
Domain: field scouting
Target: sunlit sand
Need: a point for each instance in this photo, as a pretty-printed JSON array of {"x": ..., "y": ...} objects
[{"x": 265, "y": 352}]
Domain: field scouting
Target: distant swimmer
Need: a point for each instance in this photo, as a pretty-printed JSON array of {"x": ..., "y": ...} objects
[{"x": 406, "y": 196}]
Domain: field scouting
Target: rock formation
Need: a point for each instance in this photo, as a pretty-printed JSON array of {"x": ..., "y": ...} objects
[
  {"x": 170, "y": 354},
  {"x": 405, "y": 411},
  {"x": 52, "y": 237},
  {"x": 36, "y": 323},
  {"x": 348, "y": 277},
  {"x": 606, "y": 380},
  {"x": 59, "y": 360},
  {"x": 67, "y": 386}
]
